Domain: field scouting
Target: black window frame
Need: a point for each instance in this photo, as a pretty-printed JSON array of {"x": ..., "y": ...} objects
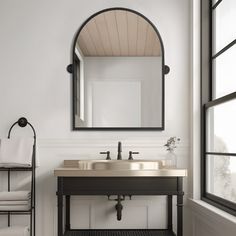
[{"x": 208, "y": 101}]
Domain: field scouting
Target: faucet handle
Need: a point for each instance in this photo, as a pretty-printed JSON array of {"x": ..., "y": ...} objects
[
  {"x": 108, "y": 155},
  {"x": 131, "y": 155}
]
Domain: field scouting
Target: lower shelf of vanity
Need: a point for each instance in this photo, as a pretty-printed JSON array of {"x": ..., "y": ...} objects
[{"x": 118, "y": 232}]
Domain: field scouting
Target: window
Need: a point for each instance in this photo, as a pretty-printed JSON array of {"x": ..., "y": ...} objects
[{"x": 218, "y": 72}]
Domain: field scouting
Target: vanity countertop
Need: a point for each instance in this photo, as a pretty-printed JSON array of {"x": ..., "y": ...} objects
[{"x": 76, "y": 172}]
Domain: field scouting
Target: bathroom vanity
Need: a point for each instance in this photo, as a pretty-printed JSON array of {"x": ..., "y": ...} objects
[{"x": 120, "y": 178}]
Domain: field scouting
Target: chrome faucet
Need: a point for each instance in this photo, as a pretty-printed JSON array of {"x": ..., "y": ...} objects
[{"x": 119, "y": 157}]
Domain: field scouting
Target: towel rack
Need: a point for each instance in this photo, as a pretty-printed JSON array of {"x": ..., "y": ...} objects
[{"x": 23, "y": 122}]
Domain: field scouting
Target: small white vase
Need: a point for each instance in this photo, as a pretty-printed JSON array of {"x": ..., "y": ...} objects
[{"x": 171, "y": 159}]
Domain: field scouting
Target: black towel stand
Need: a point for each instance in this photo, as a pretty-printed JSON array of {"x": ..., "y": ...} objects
[{"x": 22, "y": 122}]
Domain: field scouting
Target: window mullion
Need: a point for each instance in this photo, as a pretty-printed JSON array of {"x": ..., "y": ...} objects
[
  {"x": 216, "y": 4},
  {"x": 220, "y": 153},
  {"x": 224, "y": 49},
  {"x": 220, "y": 100}
]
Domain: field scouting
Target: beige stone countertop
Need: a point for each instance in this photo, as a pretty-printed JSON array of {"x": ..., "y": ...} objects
[{"x": 76, "y": 172}]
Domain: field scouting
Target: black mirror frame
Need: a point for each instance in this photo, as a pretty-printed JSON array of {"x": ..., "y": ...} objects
[{"x": 71, "y": 69}]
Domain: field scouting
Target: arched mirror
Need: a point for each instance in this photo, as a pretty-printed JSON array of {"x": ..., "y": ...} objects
[{"x": 118, "y": 72}]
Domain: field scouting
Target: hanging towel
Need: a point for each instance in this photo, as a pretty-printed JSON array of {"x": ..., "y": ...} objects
[
  {"x": 15, "y": 208},
  {"x": 15, "y": 196},
  {"x": 13, "y": 203},
  {"x": 16, "y": 152},
  {"x": 15, "y": 231}
]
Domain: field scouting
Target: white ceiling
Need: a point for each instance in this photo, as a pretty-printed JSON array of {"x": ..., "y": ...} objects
[{"x": 119, "y": 33}]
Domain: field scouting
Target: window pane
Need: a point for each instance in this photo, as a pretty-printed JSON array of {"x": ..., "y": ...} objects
[
  {"x": 221, "y": 128},
  {"x": 224, "y": 18},
  {"x": 224, "y": 73},
  {"x": 221, "y": 176}
]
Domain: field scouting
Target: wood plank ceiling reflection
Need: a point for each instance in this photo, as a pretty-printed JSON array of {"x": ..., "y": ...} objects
[{"x": 118, "y": 33}]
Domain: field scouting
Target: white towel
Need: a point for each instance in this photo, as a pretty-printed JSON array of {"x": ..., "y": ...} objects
[
  {"x": 11, "y": 165},
  {"x": 15, "y": 208},
  {"x": 15, "y": 231},
  {"x": 13, "y": 203},
  {"x": 16, "y": 151},
  {"x": 15, "y": 196}
]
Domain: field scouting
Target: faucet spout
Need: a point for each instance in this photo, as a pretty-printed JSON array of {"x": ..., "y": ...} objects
[{"x": 119, "y": 157}]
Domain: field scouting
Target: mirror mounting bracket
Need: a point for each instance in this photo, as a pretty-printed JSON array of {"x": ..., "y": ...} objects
[
  {"x": 69, "y": 68},
  {"x": 166, "y": 69}
]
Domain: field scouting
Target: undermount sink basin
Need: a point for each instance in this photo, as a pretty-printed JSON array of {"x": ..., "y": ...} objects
[{"x": 114, "y": 164}]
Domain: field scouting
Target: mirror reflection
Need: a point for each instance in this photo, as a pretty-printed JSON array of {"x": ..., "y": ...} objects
[{"x": 118, "y": 72}]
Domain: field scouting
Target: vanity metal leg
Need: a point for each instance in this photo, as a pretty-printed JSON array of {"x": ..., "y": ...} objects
[
  {"x": 60, "y": 214},
  {"x": 180, "y": 207},
  {"x": 67, "y": 212},
  {"x": 169, "y": 212},
  {"x": 60, "y": 206}
]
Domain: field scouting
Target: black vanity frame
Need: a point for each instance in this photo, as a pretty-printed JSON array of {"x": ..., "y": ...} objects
[
  {"x": 70, "y": 186},
  {"x": 72, "y": 69}
]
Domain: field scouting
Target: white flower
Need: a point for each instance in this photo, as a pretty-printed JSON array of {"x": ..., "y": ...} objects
[{"x": 171, "y": 143}]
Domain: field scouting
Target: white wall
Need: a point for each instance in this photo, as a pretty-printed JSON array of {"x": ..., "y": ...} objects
[
  {"x": 144, "y": 70},
  {"x": 36, "y": 41}
]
